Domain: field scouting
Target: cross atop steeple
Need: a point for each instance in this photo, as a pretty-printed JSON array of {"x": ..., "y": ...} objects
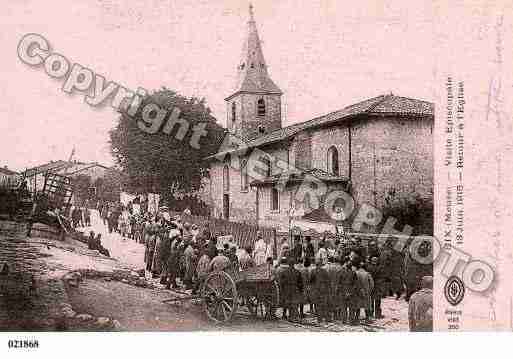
[{"x": 251, "y": 17}]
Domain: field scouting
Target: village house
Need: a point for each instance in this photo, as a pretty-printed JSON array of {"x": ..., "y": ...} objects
[
  {"x": 379, "y": 150},
  {"x": 8, "y": 178},
  {"x": 35, "y": 176}
]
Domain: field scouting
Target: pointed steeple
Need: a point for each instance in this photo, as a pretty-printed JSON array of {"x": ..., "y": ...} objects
[
  {"x": 254, "y": 107},
  {"x": 252, "y": 75}
]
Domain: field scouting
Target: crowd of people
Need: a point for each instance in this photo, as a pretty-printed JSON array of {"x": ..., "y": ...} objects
[
  {"x": 80, "y": 216},
  {"x": 127, "y": 220},
  {"x": 342, "y": 280},
  {"x": 180, "y": 254},
  {"x": 336, "y": 280}
]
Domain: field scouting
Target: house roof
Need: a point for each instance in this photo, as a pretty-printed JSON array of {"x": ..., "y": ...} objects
[
  {"x": 59, "y": 165},
  {"x": 79, "y": 167},
  {"x": 50, "y": 166},
  {"x": 380, "y": 105},
  {"x": 298, "y": 176},
  {"x": 8, "y": 172}
]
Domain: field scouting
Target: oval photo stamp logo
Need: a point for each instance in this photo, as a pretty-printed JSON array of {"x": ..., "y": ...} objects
[{"x": 454, "y": 290}]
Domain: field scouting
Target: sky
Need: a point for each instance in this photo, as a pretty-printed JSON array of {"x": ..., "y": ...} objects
[{"x": 324, "y": 55}]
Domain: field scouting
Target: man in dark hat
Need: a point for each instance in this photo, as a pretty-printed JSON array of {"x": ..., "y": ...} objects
[
  {"x": 309, "y": 250},
  {"x": 297, "y": 249},
  {"x": 149, "y": 246},
  {"x": 385, "y": 262},
  {"x": 202, "y": 270},
  {"x": 320, "y": 287},
  {"x": 173, "y": 263},
  {"x": 75, "y": 216},
  {"x": 334, "y": 269},
  {"x": 190, "y": 260},
  {"x": 232, "y": 256},
  {"x": 212, "y": 247},
  {"x": 346, "y": 289},
  {"x": 375, "y": 271},
  {"x": 420, "y": 307},
  {"x": 397, "y": 278},
  {"x": 373, "y": 250},
  {"x": 100, "y": 246},
  {"x": 365, "y": 284},
  {"x": 414, "y": 271},
  {"x": 91, "y": 241},
  {"x": 291, "y": 287}
]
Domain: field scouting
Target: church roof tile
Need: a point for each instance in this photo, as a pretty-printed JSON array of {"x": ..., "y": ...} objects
[{"x": 380, "y": 105}]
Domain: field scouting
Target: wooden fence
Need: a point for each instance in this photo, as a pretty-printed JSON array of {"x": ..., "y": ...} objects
[{"x": 243, "y": 234}]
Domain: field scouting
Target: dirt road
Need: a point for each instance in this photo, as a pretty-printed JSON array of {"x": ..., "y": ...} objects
[{"x": 44, "y": 262}]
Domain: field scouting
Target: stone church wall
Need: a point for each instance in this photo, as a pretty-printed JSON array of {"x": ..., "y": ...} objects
[
  {"x": 242, "y": 202},
  {"x": 325, "y": 138},
  {"x": 392, "y": 158},
  {"x": 247, "y": 119}
]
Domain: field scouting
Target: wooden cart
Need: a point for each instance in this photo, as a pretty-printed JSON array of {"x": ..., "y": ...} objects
[
  {"x": 222, "y": 293},
  {"x": 51, "y": 204}
]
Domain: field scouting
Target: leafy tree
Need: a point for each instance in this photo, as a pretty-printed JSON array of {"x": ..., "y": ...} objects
[
  {"x": 164, "y": 161},
  {"x": 81, "y": 185},
  {"x": 109, "y": 186},
  {"x": 415, "y": 211}
]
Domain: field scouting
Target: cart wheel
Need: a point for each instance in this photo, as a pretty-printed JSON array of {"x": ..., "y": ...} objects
[
  {"x": 219, "y": 297},
  {"x": 252, "y": 304}
]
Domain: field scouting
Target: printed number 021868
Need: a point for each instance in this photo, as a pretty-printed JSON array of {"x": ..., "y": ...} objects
[{"x": 23, "y": 344}]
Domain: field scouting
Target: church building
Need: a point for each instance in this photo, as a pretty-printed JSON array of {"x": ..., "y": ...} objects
[{"x": 379, "y": 151}]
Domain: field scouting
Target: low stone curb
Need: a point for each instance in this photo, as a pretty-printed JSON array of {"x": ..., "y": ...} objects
[
  {"x": 125, "y": 276},
  {"x": 73, "y": 279}
]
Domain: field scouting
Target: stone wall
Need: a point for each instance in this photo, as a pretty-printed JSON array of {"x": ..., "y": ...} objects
[
  {"x": 301, "y": 150},
  {"x": 392, "y": 157},
  {"x": 243, "y": 206},
  {"x": 322, "y": 140},
  {"x": 242, "y": 203},
  {"x": 247, "y": 121},
  {"x": 274, "y": 218}
]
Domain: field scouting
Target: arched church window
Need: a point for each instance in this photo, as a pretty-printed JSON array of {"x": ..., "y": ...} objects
[
  {"x": 266, "y": 166},
  {"x": 234, "y": 112},
  {"x": 244, "y": 175},
  {"x": 333, "y": 165},
  {"x": 275, "y": 199},
  {"x": 226, "y": 178},
  {"x": 261, "y": 130},
  {"x": 261, "y": 107}
]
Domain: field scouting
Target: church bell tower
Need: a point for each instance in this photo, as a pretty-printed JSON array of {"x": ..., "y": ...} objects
[{"x": 254, "y": 108}]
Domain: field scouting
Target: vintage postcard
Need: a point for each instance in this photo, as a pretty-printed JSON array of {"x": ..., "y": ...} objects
[{"x": 265, "y": 166}]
